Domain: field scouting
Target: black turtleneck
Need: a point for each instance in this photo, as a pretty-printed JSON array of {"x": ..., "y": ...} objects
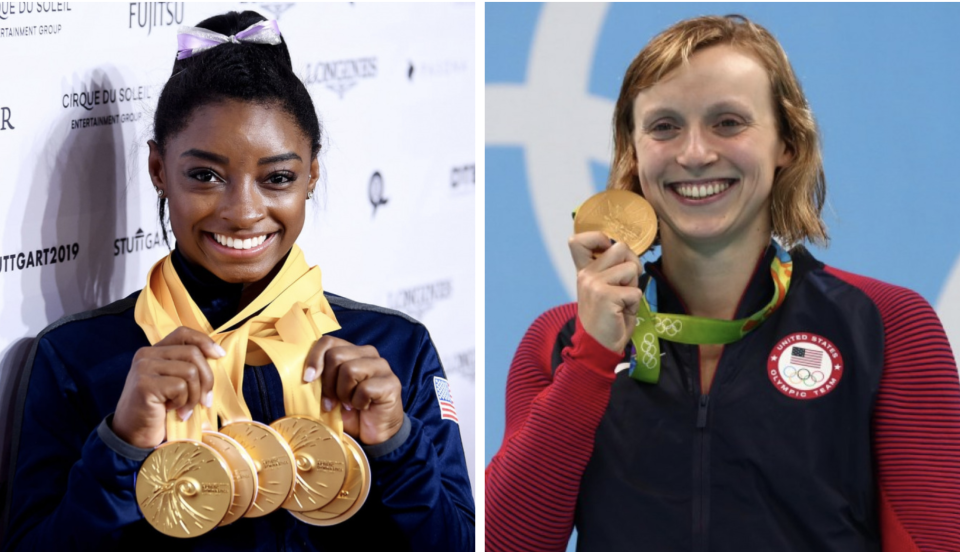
[{"x": 219, "y": 301}]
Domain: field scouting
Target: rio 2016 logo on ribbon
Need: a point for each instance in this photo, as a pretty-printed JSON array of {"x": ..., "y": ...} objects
[{"x": 805, "y": 366}]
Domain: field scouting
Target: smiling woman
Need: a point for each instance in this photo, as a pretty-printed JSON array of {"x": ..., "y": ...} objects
[
  {"x": 236, "y": 184},
  {"x": 827, "y": 419},
  {"x": 232, "y": 386}
]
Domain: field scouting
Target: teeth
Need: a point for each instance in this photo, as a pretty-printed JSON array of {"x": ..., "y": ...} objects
[
  {"x": 237, "y": 243},
  {"x": 699, "y": 191}
]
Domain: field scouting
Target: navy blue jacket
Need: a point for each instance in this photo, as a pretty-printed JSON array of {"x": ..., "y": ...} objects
[
  {"x": 832, "y": 427},
  {"x": 73, "y": 487}
]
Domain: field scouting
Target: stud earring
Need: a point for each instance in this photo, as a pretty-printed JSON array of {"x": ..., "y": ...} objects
[{"x": 159, "y": 193}]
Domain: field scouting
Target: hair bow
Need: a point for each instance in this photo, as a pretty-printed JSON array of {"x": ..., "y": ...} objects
[{"x": 193, "y": 40}]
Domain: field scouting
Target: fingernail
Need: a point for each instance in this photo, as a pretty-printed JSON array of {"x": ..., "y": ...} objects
[
  {"x": 208, "y": 399},
  {"x": 327, "y": 404},
  {"x": 309, "y": 374},
  {"x": 347, "y": 407},
  {"x": 185, "y": 417},
  {"x": 221, "y": 352}
]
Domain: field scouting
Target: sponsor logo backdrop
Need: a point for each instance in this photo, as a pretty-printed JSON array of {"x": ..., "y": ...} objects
[
  {"x": 881, "y": 79},
  {"x": 394, "y": 88}
]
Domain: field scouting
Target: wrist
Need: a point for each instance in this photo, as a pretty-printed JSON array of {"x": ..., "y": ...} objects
[
  {"x": 118, "y": 444},
  {"x": 126, "y": 434},
  {"x": 585, "y": 350},
  {"x": 382, "y": 432},
  {"x": 597, "y": 338},
  {"x": 391, "y": 444}
]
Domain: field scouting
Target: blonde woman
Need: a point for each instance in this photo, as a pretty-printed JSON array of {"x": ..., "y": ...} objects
[{"x": 831, "y": 421}]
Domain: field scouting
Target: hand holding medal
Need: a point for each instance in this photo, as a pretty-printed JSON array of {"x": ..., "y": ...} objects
[
  {"x": 300, "y": 462},
  {"x": 606, "y": 285},
  {"x": 357, "y": 378},
  {"x": 185, "y": 486},
  {"x": 608, "y": 273}
]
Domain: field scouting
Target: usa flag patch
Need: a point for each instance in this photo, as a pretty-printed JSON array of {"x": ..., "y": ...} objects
[{"x": 447, "y": 410}]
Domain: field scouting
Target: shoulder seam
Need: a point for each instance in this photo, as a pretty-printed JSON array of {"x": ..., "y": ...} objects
[
  {"x": 875, "y": 287},
  {"x": 356, "y": 305}
]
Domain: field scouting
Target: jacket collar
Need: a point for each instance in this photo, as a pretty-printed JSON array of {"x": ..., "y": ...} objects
[
  {"x": 756, "y": 295},
  {"x": 219, "y": 301}
]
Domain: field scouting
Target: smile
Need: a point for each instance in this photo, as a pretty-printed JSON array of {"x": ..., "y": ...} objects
[
  {"x": 240, "y": 243},
  {"x": 704, "y": 189}
]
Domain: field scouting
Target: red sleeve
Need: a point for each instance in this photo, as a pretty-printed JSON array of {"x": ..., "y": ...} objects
[
  {"x": 533, "y": 481},
  {"x": 916, "y": 424}
]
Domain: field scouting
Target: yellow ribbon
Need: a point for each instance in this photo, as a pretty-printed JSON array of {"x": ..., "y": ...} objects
[{"x": 290, "y": 315}]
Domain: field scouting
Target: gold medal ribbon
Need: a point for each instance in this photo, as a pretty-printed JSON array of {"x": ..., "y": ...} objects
[
  {"x": 695, "y": 330},
  {"x": 279, "y": 326}
]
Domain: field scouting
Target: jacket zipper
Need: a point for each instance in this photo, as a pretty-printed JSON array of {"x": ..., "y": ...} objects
[
  {"x": 701, "y": 478},
  {"x": 262, "y": 389}
]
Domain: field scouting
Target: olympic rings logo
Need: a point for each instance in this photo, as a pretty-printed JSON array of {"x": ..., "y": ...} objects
[
  {"x": 803, "y": 377},
  {"x": 649, "y": 350},
  {"x": 668, "y": 327}
]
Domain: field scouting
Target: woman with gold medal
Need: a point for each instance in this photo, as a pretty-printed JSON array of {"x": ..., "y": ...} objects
[
  {"x": 736, "y": 394},
  {"x": 232, "y": 387}
]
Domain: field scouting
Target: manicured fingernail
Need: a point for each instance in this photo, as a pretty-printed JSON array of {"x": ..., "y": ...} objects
[
  {"x": 309, "y": 374},
  {"x": 347, "y": 407},
  {"x": 208, "y": 399},
  {"x": 327, "y": 404},
  {"x": 221, "y": 352},
  {"x": 185, "y": 417}
]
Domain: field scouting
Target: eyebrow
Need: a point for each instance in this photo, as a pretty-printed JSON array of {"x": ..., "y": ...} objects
[
  {"x": 713, "y": 109},
  {"x": 215, "y": 158},
  {"x": 206, "y": 155},
  {"x": 277, "y": 158}
]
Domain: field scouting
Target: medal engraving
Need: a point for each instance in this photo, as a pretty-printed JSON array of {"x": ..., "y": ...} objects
[
  {"x": 320, "y": 461},
  {"x": 184, "y": 488},
  {"x": 243, "y": 471},
  {"x": 274, "y": 464},
  {"x": 621, "y": 215},
  {"x": 351, "y": 497}
]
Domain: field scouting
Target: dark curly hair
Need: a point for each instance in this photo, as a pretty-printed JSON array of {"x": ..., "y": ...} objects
[{"x": 257, "y": 73}]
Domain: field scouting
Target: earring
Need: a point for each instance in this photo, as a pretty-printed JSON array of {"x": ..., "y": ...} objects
[
  {"x": 159, "y": 193},
  {"x": 310, "y": 194}
]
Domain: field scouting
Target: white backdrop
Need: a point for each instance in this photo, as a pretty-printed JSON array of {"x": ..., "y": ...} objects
[{"x": 394, "y": 224}]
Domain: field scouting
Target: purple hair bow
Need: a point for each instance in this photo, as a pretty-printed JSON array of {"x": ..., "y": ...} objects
[{"x": 193, "y": 40}]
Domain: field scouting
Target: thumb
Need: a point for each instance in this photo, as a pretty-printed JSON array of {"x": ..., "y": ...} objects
[{"x": 631, "y": 301}]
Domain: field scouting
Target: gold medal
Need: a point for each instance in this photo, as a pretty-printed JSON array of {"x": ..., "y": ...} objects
[
  {"x": 274, "y": 462},
  {"x": 353, "y": 494},
  {"x": 244, "y": 473},
  {"x": 184, "y": 488},
  {"x": 320, "y": 459},
  {"x": 621, "y": 215},
  {"x": 279, "y": 326}
]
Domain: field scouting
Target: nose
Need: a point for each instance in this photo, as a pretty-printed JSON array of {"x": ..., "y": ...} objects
[
  {"x": 243, "y": 204},
  {"x": 696, "y": 151}
]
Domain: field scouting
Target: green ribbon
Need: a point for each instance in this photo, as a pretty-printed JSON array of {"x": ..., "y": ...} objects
[{"x": 694, "y": 330}]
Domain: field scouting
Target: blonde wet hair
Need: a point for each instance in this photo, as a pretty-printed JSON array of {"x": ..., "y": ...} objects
[{"x": 800, "y": 188}]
